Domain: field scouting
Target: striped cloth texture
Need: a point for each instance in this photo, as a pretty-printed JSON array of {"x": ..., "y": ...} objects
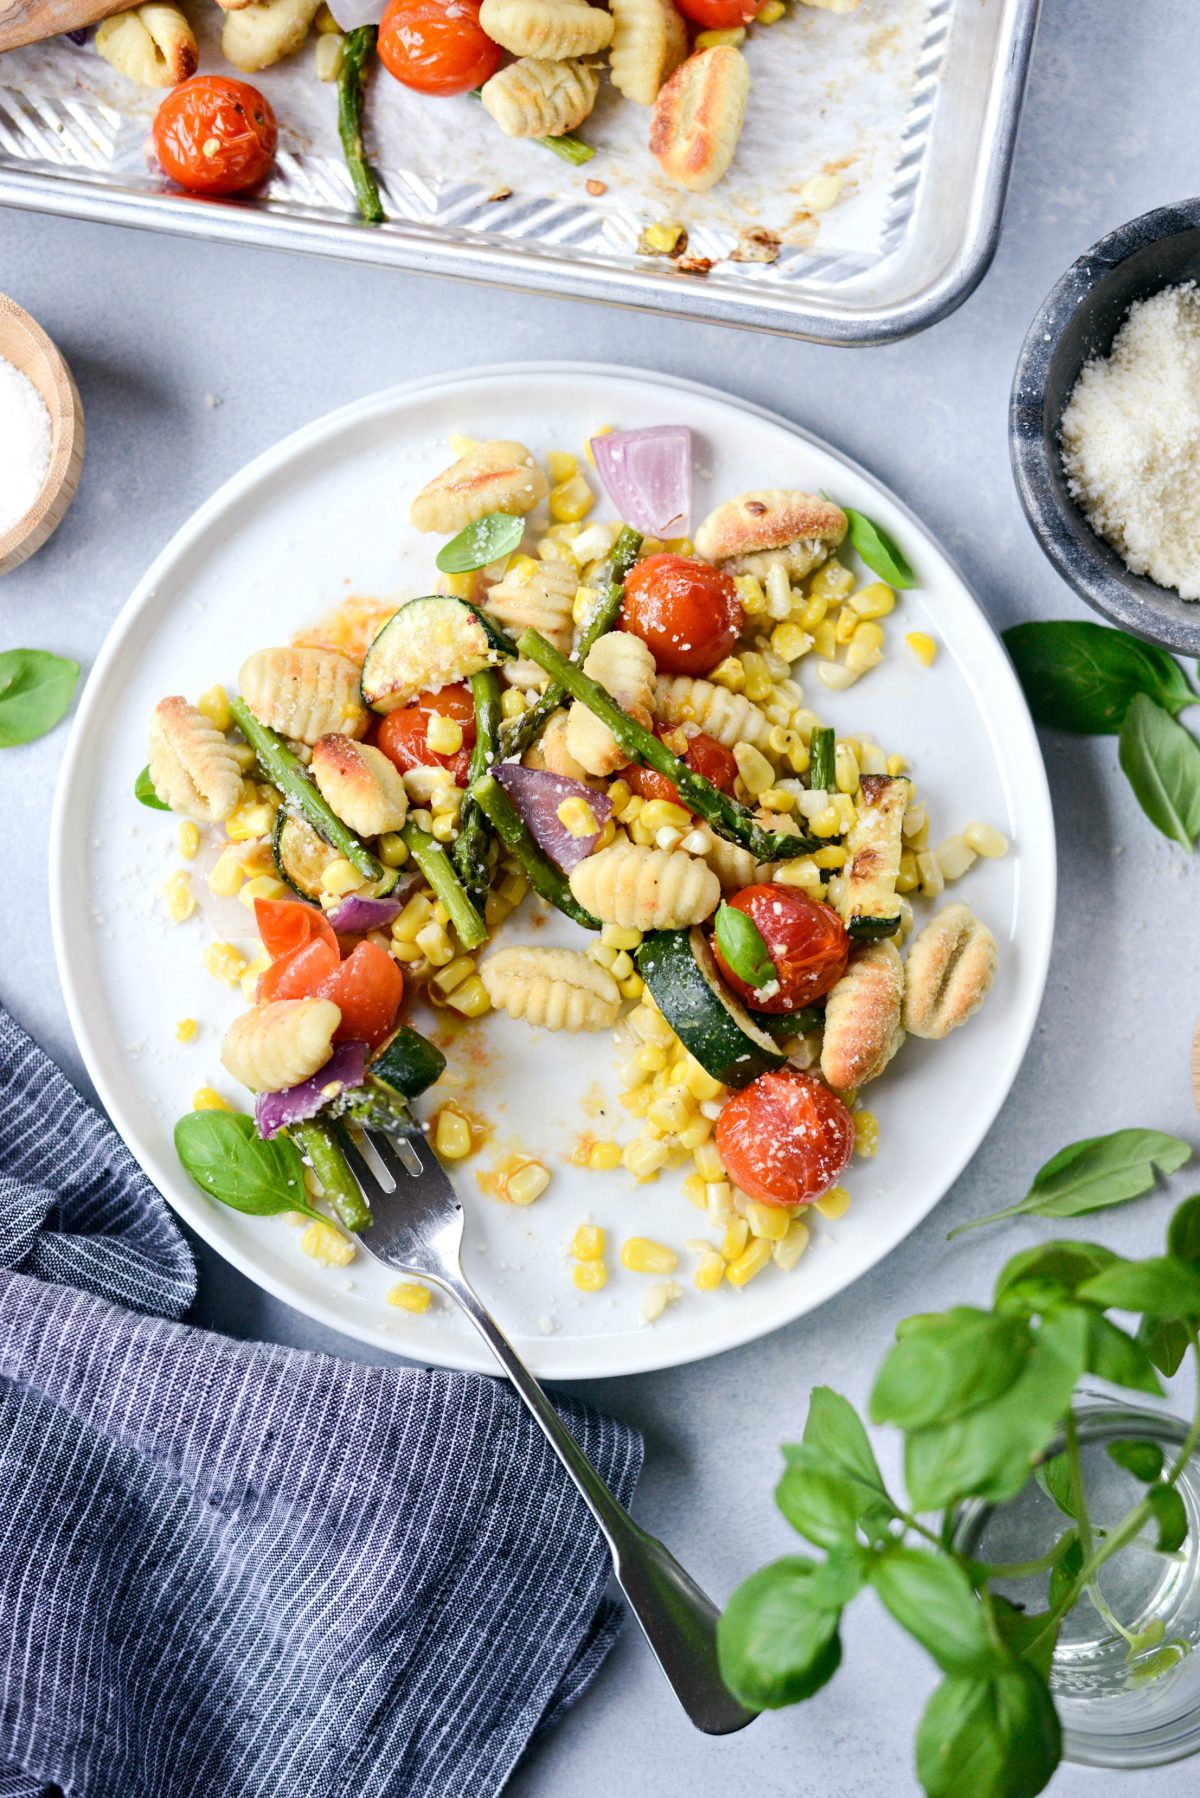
[{"x": 233, "y": 1568}]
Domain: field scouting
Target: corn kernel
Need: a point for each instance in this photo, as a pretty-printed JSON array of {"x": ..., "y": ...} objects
[
  {"x": 408, "y": 1296},
  {"x": 711, "y": 1271},
  {"x": 642, "y": 1256},
  {"x": 451, "y": 1134},
  {"x": 249, "y": 820},
  {"x": 836, "y": 1202},
  {"x": 588, "y": 1243},
  {"x": 833, "y": 857},
  {"x": 185, "y": 1030},
  {"x": 825, "y": 641},
  {"x": 327, "y": 1245},
  {"x": 846, "y": 770},
  {"x": 325, "y": 23},
  {"x": 224, "y": 963},
  {"x": 896, "y": 764},
  {"x": 244, "y": 756},
  {"x": 866, "y": 648},
  {"x": 512, "y": 702},
  {"x": 453, "y": 974},
  {"x": 954, "y": 857},
  {"x": 930, "y": 874},
  {"x": 670, "y": 1112},
  {"x": 657, "y": 1299},
  {"x": 189, "y": 840},
  {"x": 769, "y": 1222},
  {"x": 771, "y": 13},
  {"x": 181, "y": 901},
  {"x": 443, "y": 736},
  {"x": 845, "y": 625},
  {"x": 636, "y": 1100},
  {"x": 786, "y": 1253},
  {"x": 633, "y": 988},
  {"x": 603, "y": 1157},
  {"x": 873, "y": 601},
  {"x": 985, "y": 840},
  {"x": 836, "y": 677},
  {"x": 328, "y": 56},
  {"x": 718, "y": 1202},
  {"x": 340, "y": 876},
  {"x": 759, "y": 679},
  {"x": 644, "y": 1157},
  {"x": 435, "y": 945},
  {"x": 866, "y": 1133},
  {"x": 707, "y": 1162},
  {"x": 214, "y": 704},
  {"x": 907, "y": 878},
  {"x": 737, "y": 1235},
  {"x": 802, "y": 872},
  {"x": 471, "y": 998},
  {"x": 708, "y": 40},
  {"x": 528, "y": 1183},
  {"x": 392, "y": 850},
  {"x": 922, "y": 646},
  {"x": 826, "y": 822},
  {"x": 248, "y": 980},
  {"x": 729, "y": 674},
  {"x": 577, "y": 818},
  {"x": 790, "y": 641},
  {"x": 571, "y": 500},
  {"x": 818, "y": 194},
  {"x": 206, "y": 1098},
  {"x": 754, "y": 768},
  {"x": 751, "y": 1261},
  {"x": 263, "y": 886},
  {"x": 589, "y": 1276},
  {"x": 616, "y": 936}
]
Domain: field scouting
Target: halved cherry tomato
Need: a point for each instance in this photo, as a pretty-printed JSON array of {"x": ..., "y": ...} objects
[
  {"x": 402, "y": 735},
  {"x": 298, "y": 973},
  {"x": 367, "y": 989},
  {"x": 684, "y": 610},
  {"x": 215, "y": 136},
  {"x": 437, "y": 46},
  {"x": 720, "y": 15},
  {"x": 286, "y": 924},
  {"x": 786, "y": 1138},
  {"x": 703, "y": 754},
  {"x": 806, "y": 940}
]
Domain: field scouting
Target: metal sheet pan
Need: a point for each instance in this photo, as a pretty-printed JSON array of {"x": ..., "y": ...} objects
[{"x": 914, "y": 102}]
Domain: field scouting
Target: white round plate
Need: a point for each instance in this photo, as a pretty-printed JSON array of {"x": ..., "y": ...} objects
[{"x": 323, "y": 515}]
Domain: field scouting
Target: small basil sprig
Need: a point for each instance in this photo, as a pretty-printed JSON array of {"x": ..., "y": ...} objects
[
  {"x": 1161, "y": 762},
  {"x": 1081, "y": 677},
  {"x": 742, "y": 947},
  {"x": 36, "y": 690},
  {"x": 145, "y": 793},
  {"x": 1093, "y": 1174},
  {"x": 877, "y": 548},
  {"x": 482, "y": 543},
  {"x": 228, "y": 1160}
]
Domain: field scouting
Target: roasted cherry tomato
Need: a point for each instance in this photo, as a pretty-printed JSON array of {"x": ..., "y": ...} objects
[
  {"x": 720, "y": 15},
  {"x": 298, "y": 973},
  {"x": 686, "y": 611},
  {"x": 215, "y": 136},
  {"x": 287, "y": 924},
  {"x": 704, "y": 755},
  {"x": 786, "y": 1138},
  {"x": 367, "y": 989},
  {"x": 403, "y": 735},
  {"x": 806, "y": 940},
  {"x": 437, "y": 46}
]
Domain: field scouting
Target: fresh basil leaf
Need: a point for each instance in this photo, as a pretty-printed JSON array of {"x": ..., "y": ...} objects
[
  {"x": 740, "y": 942},
  {"x": 1037, "y": 1279},
  {"x": 834, "y": 1432},
  {"x": 482, "y": 543},
  {"x": 1081, "y": 677},
  {"x": 832, "y": 1483},
  {"x": 1170, "y": 1514},
  {"x": 1144, "y": 1460},
  {"x": 1054, "y": 1477},
  {"x": 824, "y": 1507},
  {"x": 1166, "y": 1341},
  {"x": 145, "y": 794},
  {"x": 1183, "y": 1231},
  {"x": 1161, "y": 762},
  {"x": 1096, "y": 1173},
  {"x": 777, "y": 1640},
  {"x": 1029, "y": 1637},
  {"x": 993, "y": 1735},
  {"x": 938, "y": 1373},
  {"x": 990, "y": 1452},
  {"x": 931, "y": 1597},
  {"x": 1065, "y": 1571},
  {"x": 36, "y": 690},
  {"x": 228, "y": 1160},
  {"x": 1116, "y": 1356},
  {"x": 878, "y": 549},
  {"x": 1159, "y": 1285}
]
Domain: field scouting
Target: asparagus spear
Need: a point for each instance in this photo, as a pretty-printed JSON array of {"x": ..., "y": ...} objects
[
  {"x": 357, "y": 52},
  {"x": 377, "y": 1106},
  {"x": 545, "y": 879},
  {"x": 318, "y": 1141},
  {"x": 518, "y": 736},
  {"x": 726, "y": 816},
  {"x": 469, "y": 853},
  {"x": 284, "y": 771},
  {"x": 435, "y": 865},
  {"x": 821, "y": 760}
]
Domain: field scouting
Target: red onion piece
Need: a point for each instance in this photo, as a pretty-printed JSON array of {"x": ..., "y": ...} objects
[
  {"x": 356, "y": 915},
  {"x": 350, "y": 14},
  {"x": 347, "y": 1066},
  {"x": 537, "y": 795},
  {"x": 648, "y": 477}
]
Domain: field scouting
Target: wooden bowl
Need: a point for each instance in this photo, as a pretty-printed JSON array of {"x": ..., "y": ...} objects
[{"x": 27, "y": 347}]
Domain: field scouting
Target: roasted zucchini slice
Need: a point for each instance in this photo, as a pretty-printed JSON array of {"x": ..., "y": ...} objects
[
  {"x": 430, "y": 643},
  {"x": 869, "y": 906}
]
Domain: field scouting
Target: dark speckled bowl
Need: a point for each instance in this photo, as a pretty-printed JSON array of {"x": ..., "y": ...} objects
[{"x": 1079, "y": 320}]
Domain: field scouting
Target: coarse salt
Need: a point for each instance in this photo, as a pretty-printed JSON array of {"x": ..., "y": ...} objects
[{"x": 25, "y": 441}]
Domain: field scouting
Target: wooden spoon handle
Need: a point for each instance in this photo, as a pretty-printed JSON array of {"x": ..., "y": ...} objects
[{"x": 29, "y": 21}]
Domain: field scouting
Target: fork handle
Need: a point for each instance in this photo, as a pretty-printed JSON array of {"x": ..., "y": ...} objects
[{"x": 678, "y": 1620}]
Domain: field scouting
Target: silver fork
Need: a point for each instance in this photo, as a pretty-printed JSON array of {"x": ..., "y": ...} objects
[{"x": 418, "y": 1228}]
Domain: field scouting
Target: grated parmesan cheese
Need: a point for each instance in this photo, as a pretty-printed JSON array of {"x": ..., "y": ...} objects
[{"x": 1131, "y": 440}]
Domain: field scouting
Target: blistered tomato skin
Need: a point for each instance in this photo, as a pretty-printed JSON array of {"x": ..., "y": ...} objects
[
  {"x": 685, "y": 611},
  {"x": 437, "y": 46},
  {"x": 720, "y": 15},
  {"x": 214, "y": 135},
  {"x": 786, "y": 1138},
  {"x": 403, "y": 734},
  {"x": 704, "y": 755},
  {"x": 807, "y": 942}
]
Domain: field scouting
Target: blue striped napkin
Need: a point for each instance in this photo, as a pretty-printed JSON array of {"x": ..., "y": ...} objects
[{"x": 233, "y": 1568}]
